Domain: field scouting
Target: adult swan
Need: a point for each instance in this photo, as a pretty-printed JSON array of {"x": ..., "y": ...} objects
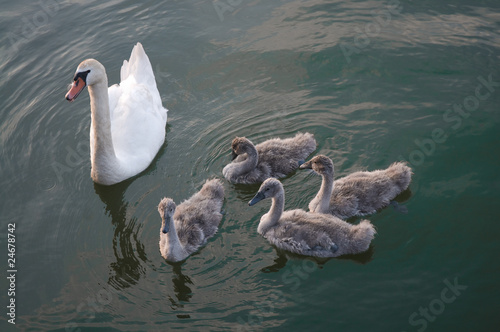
[{"x": 128, "y": 119}]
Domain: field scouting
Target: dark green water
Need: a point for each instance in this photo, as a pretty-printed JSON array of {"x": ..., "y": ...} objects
[{"x": 375, "y": 84}]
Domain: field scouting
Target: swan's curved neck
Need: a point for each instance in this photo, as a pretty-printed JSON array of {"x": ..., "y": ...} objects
[
  {"x": 248, "y": 164},
  {"x": 176, "y": 250},
  {"x": 104, "y": 161},
  {"x": 273, "y": 216},
  {"x": 325, "y": 193}
]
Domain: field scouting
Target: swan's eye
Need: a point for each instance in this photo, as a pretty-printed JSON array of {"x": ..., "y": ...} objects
[{"x": 267, "y": 189}]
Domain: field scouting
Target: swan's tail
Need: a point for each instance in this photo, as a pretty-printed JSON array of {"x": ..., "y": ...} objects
[
  {"x": 213, "y": 188},
  {"x": 362, "y": 235},
  {"x": 306, "y": 142},
  {"x": 139, "y": 66},
  {"x": 400, "y": 173}
]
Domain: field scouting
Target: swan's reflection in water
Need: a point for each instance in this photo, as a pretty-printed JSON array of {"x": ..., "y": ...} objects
[
  {"x": 130, "y": 255},
  {"x": 129, "y": 252},
  {"x": 180, "y": 282},
  {"x": 283, "y": 256},
  {"x": 182, "y": 291}
]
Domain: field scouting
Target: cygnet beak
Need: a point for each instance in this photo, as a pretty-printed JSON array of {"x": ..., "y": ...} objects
[
  {"x": 166, "y": 226},
  {"x": 306, "y": 165},
  {"x": 257, "y": 198}
]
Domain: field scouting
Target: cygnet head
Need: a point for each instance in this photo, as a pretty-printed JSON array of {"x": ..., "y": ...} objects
[
  {"x": 321, "y": 164},
  {"x": 89, "y": 72},
  {"x": 166, "y": 208},
  {"x": 269, "y": 188},
  {"x": 240, "y": 145}
]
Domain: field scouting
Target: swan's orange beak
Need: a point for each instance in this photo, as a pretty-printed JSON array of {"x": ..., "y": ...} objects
[{"x": 77, "y": 87}]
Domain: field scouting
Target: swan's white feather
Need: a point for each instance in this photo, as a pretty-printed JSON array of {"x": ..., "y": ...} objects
[{"x": 137, "y": 115}]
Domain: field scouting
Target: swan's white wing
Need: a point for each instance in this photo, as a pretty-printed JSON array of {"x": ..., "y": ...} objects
[
  {"x": 138, "y": 117},
  {"x": 138, "y": 127},
  {"x": 139, "y": 67}
]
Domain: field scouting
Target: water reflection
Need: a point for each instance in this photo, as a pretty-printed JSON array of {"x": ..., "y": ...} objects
[
  {"x": 179, "y": 280},
  {"x": 405, "y": 195},
  {"x": 182, "y": 291},
  {"x": 283, "y": 257},
  {"x": 362, "y": 258},
  {"x": 279, "y": 263},
  {"x": 128, "y": 250}
]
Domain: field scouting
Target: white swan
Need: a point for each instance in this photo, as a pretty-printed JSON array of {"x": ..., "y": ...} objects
[
  {"x": 310, "y": 234},
  {"x": 128, "y": 120},
  {"x": 359, "y": 193},
  {"x": 188, "y": 226},
  {"x": 273, "y": 158}
]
